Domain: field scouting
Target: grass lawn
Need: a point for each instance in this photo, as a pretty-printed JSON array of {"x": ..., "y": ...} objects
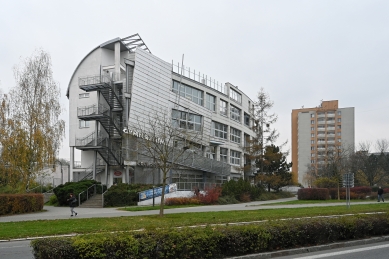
[
  {"x": 315, "y": 202},
  {"x": 10, "y": 230}
]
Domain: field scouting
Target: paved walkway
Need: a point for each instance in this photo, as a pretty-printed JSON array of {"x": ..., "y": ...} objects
[{"x": 53, "y": 213}]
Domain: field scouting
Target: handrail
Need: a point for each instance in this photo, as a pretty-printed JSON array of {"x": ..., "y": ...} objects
[
  {"x": 103, "y": 198},
  {"x": 87, "y": 192},
  {"x": 39, "y": 186}
]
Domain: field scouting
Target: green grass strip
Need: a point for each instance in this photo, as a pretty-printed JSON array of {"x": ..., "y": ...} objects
[{"x": 24, "y": 229}]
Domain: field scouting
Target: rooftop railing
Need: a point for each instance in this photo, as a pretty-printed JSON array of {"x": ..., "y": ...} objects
[{"x": 198, "y": 77}]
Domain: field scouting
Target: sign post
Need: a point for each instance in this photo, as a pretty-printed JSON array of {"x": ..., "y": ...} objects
[{"x": 348, "y": 181}]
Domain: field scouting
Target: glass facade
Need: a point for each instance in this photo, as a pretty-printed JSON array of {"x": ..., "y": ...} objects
[
  {"x": 188, "y": 92},
  {"x": 185, "y": 120}
]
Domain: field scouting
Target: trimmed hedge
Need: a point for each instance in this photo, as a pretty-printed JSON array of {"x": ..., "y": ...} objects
[
  {"x": 355, "y": 192},
  {"x": 20, "y": 203},
  {"x": 213, "y": 242},
  {"x": 313, "y": 194}
]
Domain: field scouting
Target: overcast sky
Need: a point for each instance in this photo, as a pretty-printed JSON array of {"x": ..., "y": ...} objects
[{"x": 300, "y": 52}]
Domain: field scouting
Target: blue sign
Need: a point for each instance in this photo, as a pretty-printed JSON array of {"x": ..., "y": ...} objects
[{"x": 148, "y": 194}]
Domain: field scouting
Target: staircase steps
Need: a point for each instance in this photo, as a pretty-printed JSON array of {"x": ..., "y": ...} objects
[{"x": 96, "y": 201}]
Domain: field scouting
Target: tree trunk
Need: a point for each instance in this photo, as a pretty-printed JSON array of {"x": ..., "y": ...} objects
[{"x": 163, "y": 194}]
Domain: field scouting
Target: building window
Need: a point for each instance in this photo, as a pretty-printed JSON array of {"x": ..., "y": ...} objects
[
  {"x": 246, "y": 119},
  {"x": 223, "y": 108},
  {"x": 212, "y": 152},
  {"x": 312, "y": 142},
  {"x": 235, "y": 135},
  {"x": 312, "y": 122},
  {"x": 83, "y": 124},
  {"x": 234, "y": 157},
  {"x": 219, "y": 130},
  {"x": 339, "y": 140},
  {"x": 339, "y": 126},
  {"x": 312, "y": 135},
  {"x": 312, "y": 161},
  {"x": 234, "y": 95},
  {"x": 312, "y": 148},
  {"x": 312, "y": 115},
  {"x": 235, "y": 113},
  {"x": 210, "y": 102},
  {"x": 339, "y": 113},
  {"x": 223, "y": 155},
  {"x": 246, "y": 140},
  {"x": 339, "y": 119},
  {"x": 339, "y": 133},
  {"x": 312, "y": 128},
  {"x": 83, "y": 95},
  {"x": 185, "y": 120},
  {"x": 188, "y": 92},
  {"x": 313, "y": 154}
]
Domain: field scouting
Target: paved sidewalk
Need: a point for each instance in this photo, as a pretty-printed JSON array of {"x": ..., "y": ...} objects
[{"x": 53, "y": 213}]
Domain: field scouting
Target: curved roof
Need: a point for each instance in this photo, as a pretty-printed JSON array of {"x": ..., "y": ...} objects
[{"x": 129, "y": 43}]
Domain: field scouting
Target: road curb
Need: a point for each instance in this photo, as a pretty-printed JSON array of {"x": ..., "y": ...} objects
[{"x": 303, "y": 250}]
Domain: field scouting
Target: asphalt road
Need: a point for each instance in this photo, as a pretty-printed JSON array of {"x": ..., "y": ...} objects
[{"x": 370, "y": 251}]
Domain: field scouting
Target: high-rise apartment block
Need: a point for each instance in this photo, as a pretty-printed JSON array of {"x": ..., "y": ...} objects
[{"x": 317, "y": 131}]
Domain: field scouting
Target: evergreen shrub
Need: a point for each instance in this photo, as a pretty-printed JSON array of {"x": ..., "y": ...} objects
[
  {"x": 239, "y": 187},
  {"x": 124, "y": 194},
  {"x": 62, "y": 191}
]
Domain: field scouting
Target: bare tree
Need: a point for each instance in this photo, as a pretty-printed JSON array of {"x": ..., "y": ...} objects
[
  {"x": 33, "y": 131},
  {"x": 365, "y": 146},
  {"x": 382, "y": 145},
  {"x": 167, "y": 142}
]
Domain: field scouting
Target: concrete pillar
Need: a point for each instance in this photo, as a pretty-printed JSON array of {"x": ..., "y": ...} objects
[{"x": 117, "y": 60}]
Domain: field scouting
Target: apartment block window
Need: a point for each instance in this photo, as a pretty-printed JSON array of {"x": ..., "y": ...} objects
[
  {"x": 219, "y": 130},
  {"x": 235, "y": 113},
  {"x": 339, "y": 119},
  {"x": 83, "y": 95},
  {"x": 339, "y": 126},
  {"x": 339, "y": 133},
  {"x": 312, "y": 142},
  {"x": 185, "y": 120},
  {"x": 210, "y": 102},
  {"x": 312, "y": 148},
  {"x": 234, "y": 157},
  {"x": 223, "y": 108},
  {"x": 188, "y": 92},
  {"x": 83, "y": 124},
  {"x": 246, "y": 119},
  {"x": 223, "y": 155},
  {"x": 339, "y": 113},
  {"x": 312, "y": 161},
  {"x": 234, "y": 95},
  {"x": 312, "y": 135},
  {"x": 339, "y": 140},
  {"x": 313, "y": 154},
  {"x": 312, "y": 128},
  {"x": 312, "y": 115},
  {"x": 235, "y": 135},
  {"x": 312, "y": 122}
]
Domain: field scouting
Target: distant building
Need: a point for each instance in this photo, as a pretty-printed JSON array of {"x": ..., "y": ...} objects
[
  {"x": 120, "y": 81},
  {"x": 317, "y": 130}
]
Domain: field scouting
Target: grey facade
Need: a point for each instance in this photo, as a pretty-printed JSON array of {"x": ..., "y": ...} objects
[{"x": 120, "y": 83}]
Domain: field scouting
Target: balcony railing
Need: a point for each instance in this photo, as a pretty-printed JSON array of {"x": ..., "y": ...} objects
[
  {"x": 91, "y": 110},
  {"x": 94, "y": 80}
]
